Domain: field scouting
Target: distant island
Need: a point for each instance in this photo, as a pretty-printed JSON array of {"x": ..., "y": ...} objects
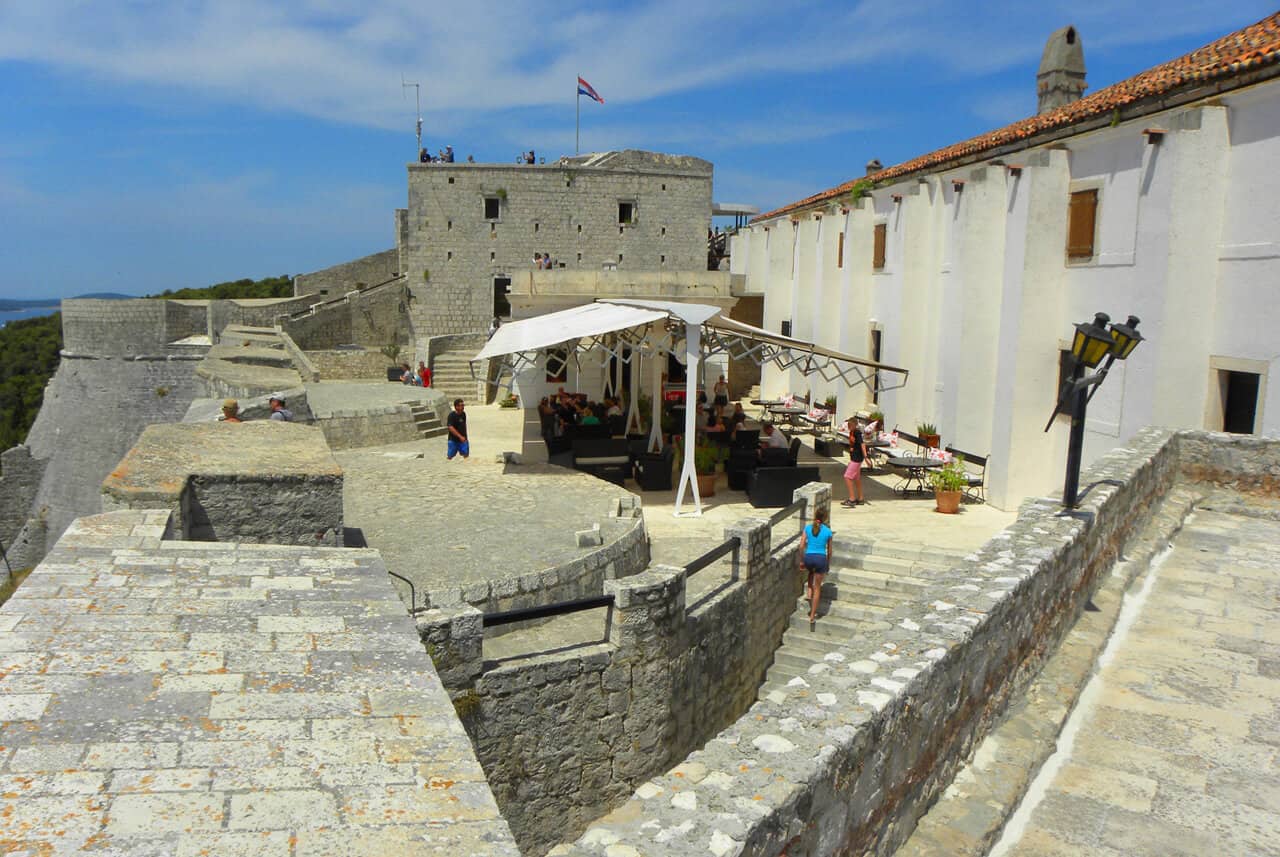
[{"x": 7, "y": 305}]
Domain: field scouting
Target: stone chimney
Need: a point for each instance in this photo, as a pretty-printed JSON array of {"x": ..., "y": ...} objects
[
  {"x": 1061, "y": 77},
  {"x": 874, "y": 166}
]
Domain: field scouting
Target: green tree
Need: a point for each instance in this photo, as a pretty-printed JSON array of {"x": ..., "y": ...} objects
[{"x": 28, "y": 358}]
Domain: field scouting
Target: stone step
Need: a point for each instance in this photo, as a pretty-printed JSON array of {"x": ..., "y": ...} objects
[
  {"x": 897, "y": 550},
  {"x": 873, "y": 579},
  {"x": 835, "y": 590}
]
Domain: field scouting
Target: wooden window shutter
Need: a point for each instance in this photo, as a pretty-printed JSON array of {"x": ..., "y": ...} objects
[
  {"x": 1081, "y": 216},
  {"x": 882, "y": 230},
  {"x": 840, "y": 251}
]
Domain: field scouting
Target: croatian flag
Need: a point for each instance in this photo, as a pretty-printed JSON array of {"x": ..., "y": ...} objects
[{"x": 585, "y": 88}]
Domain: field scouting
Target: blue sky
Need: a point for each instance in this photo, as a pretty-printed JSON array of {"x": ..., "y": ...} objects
[{"x": 151, "y": 145}]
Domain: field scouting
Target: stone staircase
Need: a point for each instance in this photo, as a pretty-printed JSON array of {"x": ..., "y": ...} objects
[
  {"x": 867, "y": 581},
  {"x": 424, "y": 417},
  {"x": 451, "y": 375}
]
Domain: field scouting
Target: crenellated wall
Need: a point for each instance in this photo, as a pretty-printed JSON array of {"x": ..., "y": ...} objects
[{"x": 564, "y": 737}]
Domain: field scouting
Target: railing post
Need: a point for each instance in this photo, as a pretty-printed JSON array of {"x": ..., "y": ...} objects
[
  {"x": 647, "y": 629},
  {"x": 816, "y": 497},
  {"x": 454, "y": 637},
  {"x": 752, "y": 557}
]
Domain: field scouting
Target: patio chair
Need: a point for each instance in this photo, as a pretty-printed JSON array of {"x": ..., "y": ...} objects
[
  {"x": 977, "y": 487},
  {"x": 653, "y": 470}
]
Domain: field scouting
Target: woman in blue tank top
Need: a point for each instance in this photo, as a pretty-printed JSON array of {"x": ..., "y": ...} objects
[{"x": 816, "y": 559}]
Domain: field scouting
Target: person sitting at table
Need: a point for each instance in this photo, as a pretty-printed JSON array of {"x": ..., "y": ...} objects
[
  {"x": 735, "y": 419},
  {"x": 773, "y": 446}
]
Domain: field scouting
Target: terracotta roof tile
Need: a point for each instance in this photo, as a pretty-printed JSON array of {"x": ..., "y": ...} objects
[{"x": 1238, "y": 53}]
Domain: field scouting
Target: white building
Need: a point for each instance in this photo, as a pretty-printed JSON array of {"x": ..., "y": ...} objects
[{"x": 1158, "y": 196}]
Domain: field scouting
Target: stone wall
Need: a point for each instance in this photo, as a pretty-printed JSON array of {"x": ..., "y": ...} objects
[
  {"x": 357, "y": 274},
  {"x": 366, "y": 365},
  {"x": 564, "y": 737},
  {"x": 273, "y": 510},
  {"x": 262, "y": 481},
  {"x": 624, "y": 556},
  {"x": 93, "y": 412},
  {"x": 372, "y": 318},
  {"x": 120, "y": 328},
  {"x": 569, "y": 209},
  {"x": 848, "y": 767},
  {"x": 369, "y": 427},
  {"x": 20, "y": 476}
]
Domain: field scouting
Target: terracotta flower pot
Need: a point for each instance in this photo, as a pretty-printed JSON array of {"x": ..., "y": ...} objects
[
  {"x": 706, "y": 484},
  {"x": 948, "y": 502},
  {"x": 931, "y": 441}
]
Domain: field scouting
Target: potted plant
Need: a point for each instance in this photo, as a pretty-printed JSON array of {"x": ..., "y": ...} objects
[
  {"x": 510, "y": 401},
  {"x": 705, "y": 459},
  {"x": 948, "y": 483},
  {"x": 830, "y": 404},
  {"x": 392, "y": 352},
  {"x": 928, "y": 434},
  {"x": 877, "y": 417}
]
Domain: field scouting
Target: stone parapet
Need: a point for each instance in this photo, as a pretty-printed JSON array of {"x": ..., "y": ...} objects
[
  {"x": 848, "y": 765},
  {"x": 260, "y": 481},
  {"x": 20, "y": 476},
  {"x": 565, "y": 736}
]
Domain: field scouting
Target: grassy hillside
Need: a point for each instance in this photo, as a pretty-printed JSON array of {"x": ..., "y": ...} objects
[{"x": 29, "y": 351}]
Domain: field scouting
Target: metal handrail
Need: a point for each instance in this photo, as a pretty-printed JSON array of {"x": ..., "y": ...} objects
[
  {"x": 729, "y": 546},
  {"x": 782, "y": 514},
  {"x": 560, "y": 608},
  {"x": 414, "y": 609}
]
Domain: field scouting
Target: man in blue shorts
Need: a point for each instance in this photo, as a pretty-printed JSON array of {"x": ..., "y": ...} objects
[{"x": 457, "y": 423}]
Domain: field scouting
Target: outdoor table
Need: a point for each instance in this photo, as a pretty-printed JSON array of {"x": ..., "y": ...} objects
[
  {"x": 788, "y": 413},
  {"x": 915, "y": 468},
  {"x": 764, "y": 405}
]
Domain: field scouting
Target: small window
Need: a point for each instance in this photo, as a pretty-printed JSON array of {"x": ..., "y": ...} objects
[
  {"x": 664, "y": 187},
  {"x": 449, "y": 256},
  {"x": 579, "y": 257},
  {"x": 492, "y": 205},
  {"x": 449, "y": 225},
  {"x": 877, "y": 257},
  {"x": 1082, "y": 216},
  {"x": 786, "y": 328},
  {"x": 450, "y": 179},
  {"x": 664, "y": 232},
  {"x": 626, "y": 212},
  {"x": 840, "y": 250},
  {"x": 492, "y": 256},
  {"x": 619, "y": 257},
  {"x": 324, "y": 292},
  {"x": 579, "y": 228},
  {"x": 662, "y": 260},
  {"x": 535, "y": 227}
]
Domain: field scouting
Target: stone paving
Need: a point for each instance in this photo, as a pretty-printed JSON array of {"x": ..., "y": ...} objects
[
  {"x": 454, "y": 523},
  {"x": 185, "y": 698},
  {"x": 1178, "y": 749}
]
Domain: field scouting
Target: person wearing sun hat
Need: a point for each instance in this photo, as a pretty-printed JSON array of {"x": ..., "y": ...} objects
[
  {"x": 278, "y": 411},
  {"x": 230, "y": 411}
]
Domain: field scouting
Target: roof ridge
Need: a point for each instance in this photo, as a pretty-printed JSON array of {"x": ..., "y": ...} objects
[{"x": 1237, "y": 53}]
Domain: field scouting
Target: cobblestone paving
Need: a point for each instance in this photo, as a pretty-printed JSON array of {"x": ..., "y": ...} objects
[
  {"x": 161, "y": 698},
  {"x": 1179, "y": 756},
  {"x": 452, "y": 523}
]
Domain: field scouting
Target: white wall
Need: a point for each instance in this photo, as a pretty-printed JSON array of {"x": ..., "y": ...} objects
[{"x": 977, "y": 296}]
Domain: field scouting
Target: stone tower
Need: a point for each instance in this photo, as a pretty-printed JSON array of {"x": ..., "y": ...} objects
[{"x": 1061, "y": 77}]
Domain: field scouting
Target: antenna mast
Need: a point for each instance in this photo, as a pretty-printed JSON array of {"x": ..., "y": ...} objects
[{"x": 417, "y": 98}]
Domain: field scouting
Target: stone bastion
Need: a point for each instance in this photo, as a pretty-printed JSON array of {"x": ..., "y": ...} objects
[{"x": 266, "y": 481}]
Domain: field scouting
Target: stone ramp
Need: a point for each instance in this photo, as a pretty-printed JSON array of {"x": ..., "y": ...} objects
[
  {"x": 165, "y": 697},
  {"x": 867, "y": 581}
]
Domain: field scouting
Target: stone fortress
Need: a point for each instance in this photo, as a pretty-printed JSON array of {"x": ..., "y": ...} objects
[{"x": 207, "y": 659}]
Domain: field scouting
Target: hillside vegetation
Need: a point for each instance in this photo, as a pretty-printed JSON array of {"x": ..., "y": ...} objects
[{"x": 29, "y": 351}]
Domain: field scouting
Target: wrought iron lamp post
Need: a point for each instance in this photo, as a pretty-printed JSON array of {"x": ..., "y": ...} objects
[{"x": 1091, "y": 343}]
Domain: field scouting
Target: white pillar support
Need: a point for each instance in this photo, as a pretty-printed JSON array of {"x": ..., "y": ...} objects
[
  {"x": 633, "y": 407},
  {"x": 693, "y": 366},
  {"x": 655, "y": 424}
]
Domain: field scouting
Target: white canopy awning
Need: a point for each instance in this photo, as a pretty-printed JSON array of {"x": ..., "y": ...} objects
[
  {"x": 556, "y": 329},
  {"x": 624, "y": 329}
]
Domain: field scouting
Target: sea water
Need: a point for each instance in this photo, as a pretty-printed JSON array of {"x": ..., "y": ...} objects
[{"x": 30, "y": 312}]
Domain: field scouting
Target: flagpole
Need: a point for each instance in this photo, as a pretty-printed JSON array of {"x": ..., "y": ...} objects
[{"x": 577, "y": 118}]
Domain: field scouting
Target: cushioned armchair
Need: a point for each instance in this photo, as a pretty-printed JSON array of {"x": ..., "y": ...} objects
[{"x": 653, "y": 470}]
